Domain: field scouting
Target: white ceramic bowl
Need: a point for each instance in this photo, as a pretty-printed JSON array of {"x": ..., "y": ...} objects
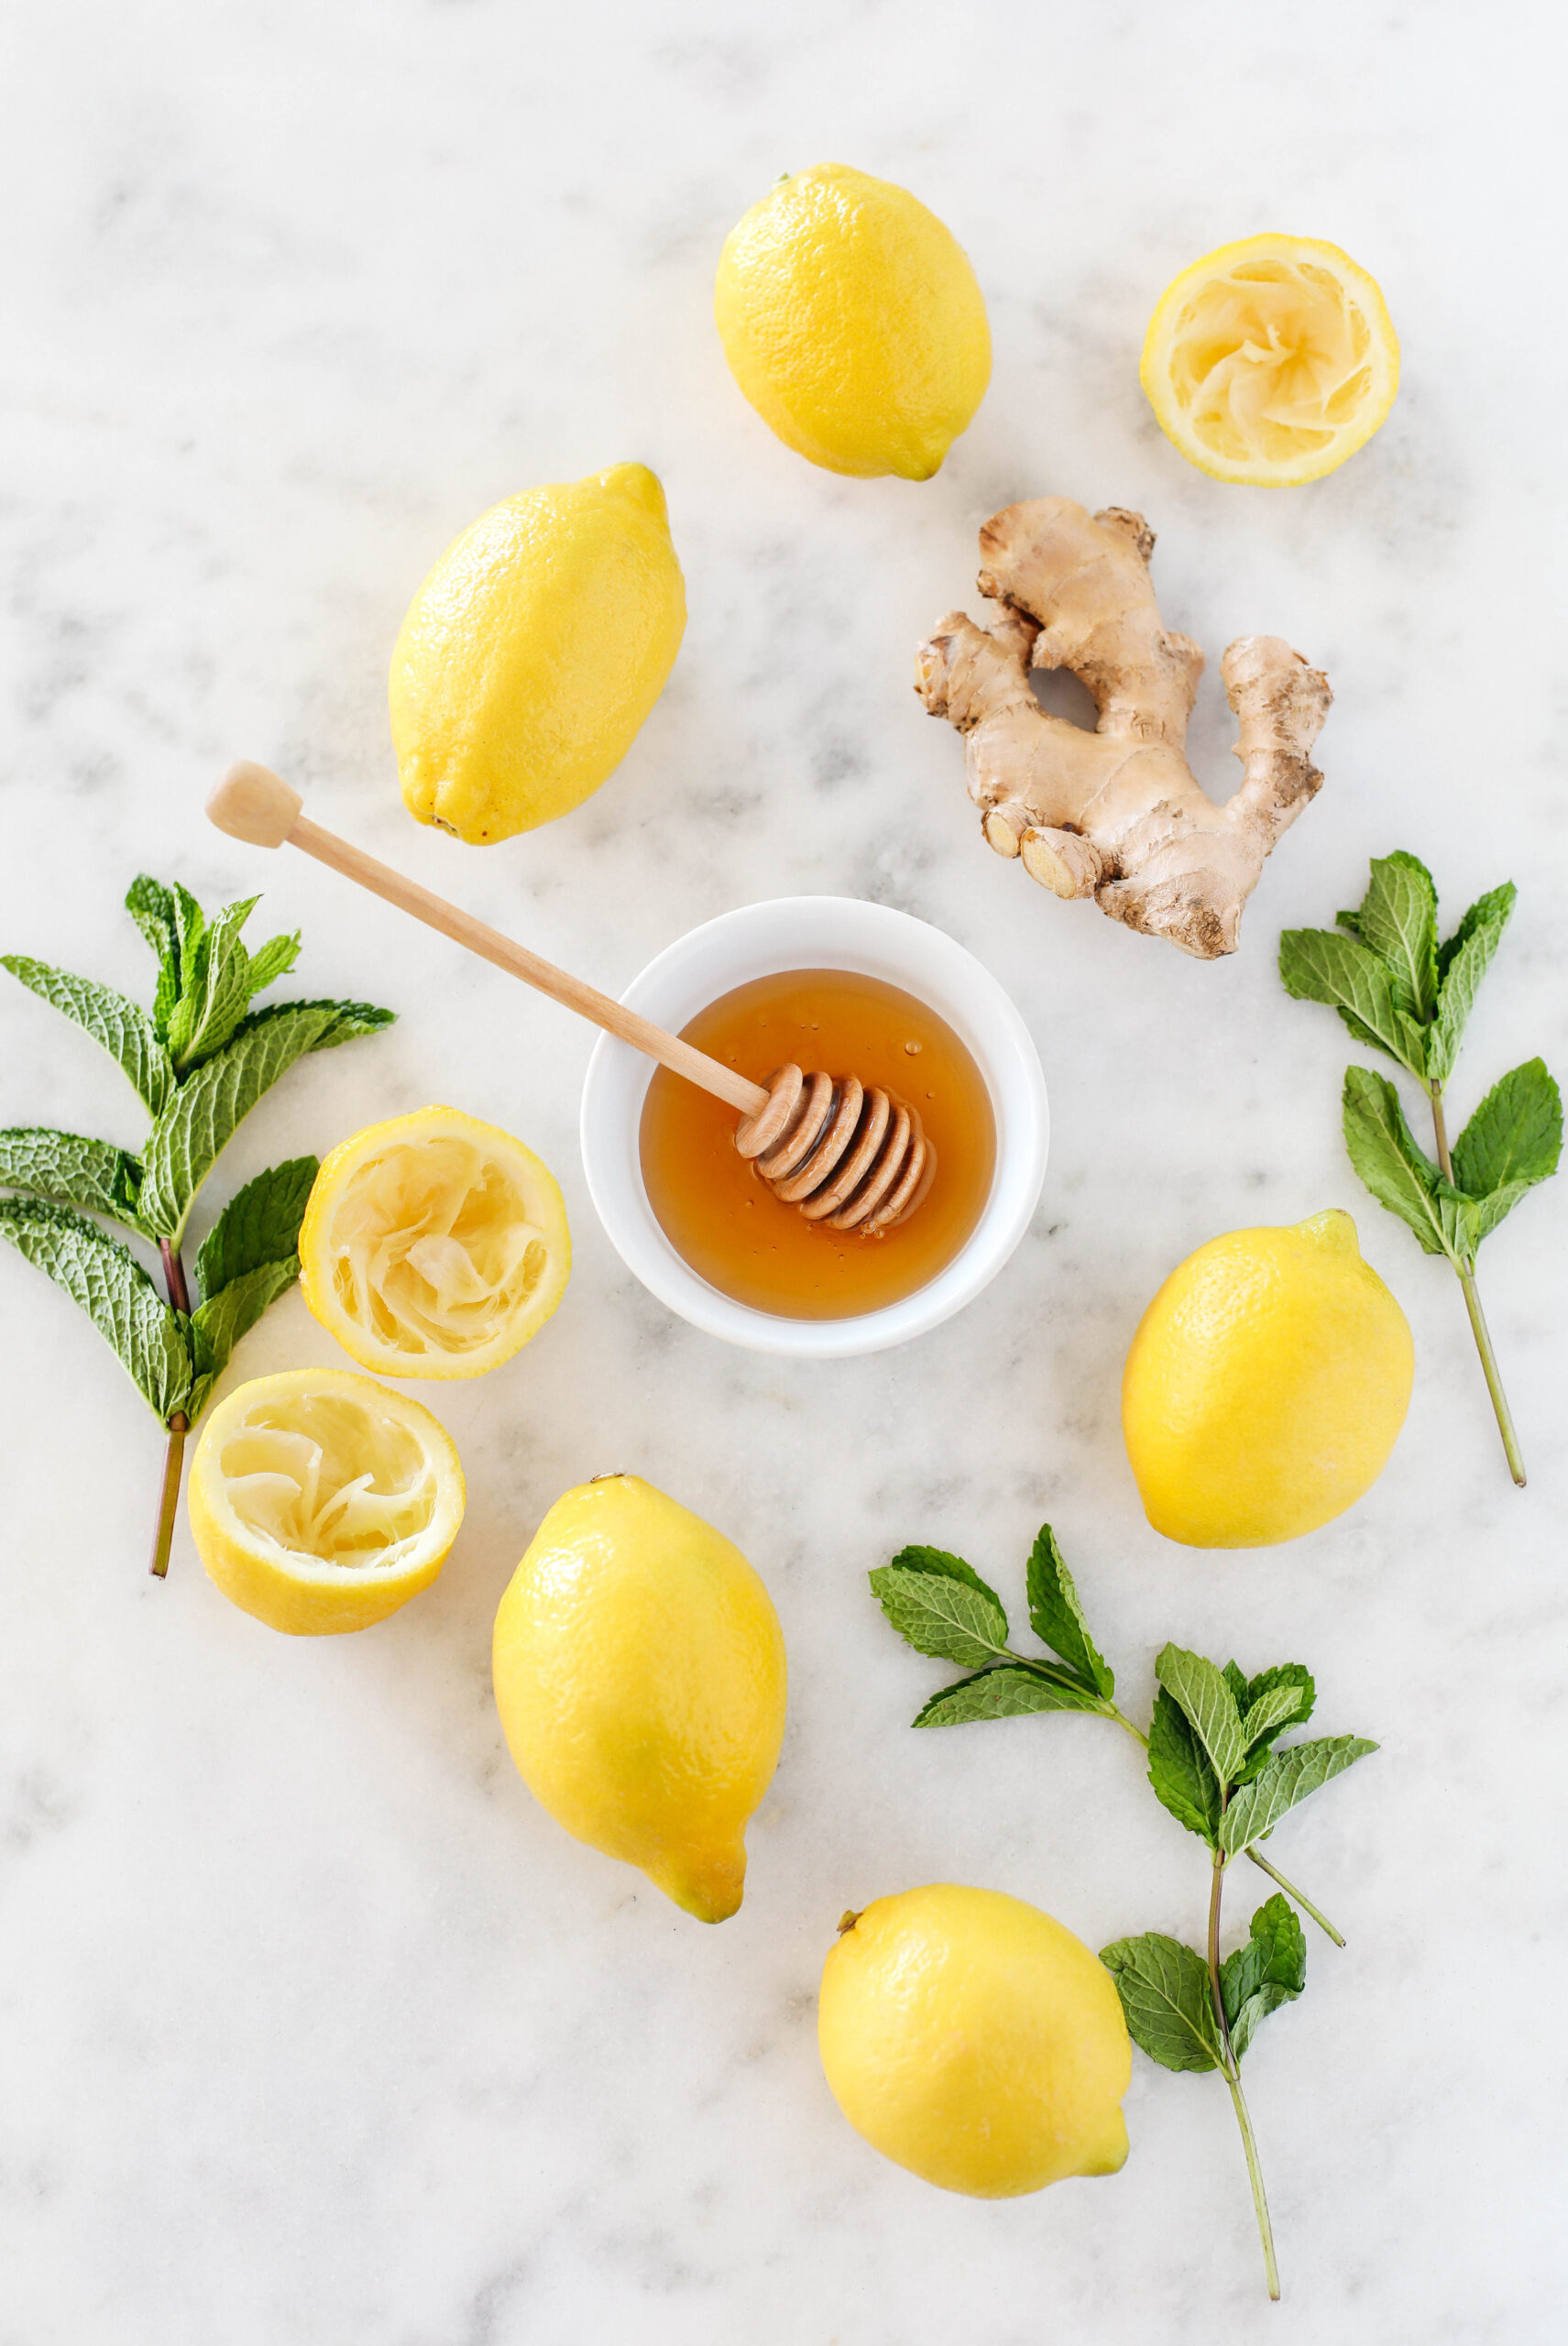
[{"x": 818, "y": 933}]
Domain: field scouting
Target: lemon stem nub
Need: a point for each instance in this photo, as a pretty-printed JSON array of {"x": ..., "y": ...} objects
[
  {"x": 179, "y": 1424},
  {"x": 1472, "y": 1294}
]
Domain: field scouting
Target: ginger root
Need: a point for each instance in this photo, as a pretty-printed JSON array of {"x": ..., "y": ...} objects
[{"x": 1117, "y": 814}]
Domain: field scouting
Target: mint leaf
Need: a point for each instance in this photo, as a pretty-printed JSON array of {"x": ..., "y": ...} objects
[
  {"x": 1005, "y": 1693},
  {"x": 1398, "y": 921},
  {"x": 1268, "y": 1971},
  {"x": 151, "y": 906},
  {"x": 1481, "y": 1216},
  {"x": 189, "y": 923},
  {"x": 1275, "y": 1709},
  {"x": 122, "y": 1027},
  {"x": 1264, "y": 1718},
  {"x": 1512, "y": 1141},
  {"x": 1461, "y": 983},
  {"x": 113, "y": 1290},
  {"x": 204, "y": 1112},
  {"x": 952, "y": 1615},
  {"x": 215, "y": 989},
  {"x": 1400, "y": 1174},
  {"x": 1494, "y": 907},
  {"x": 918, "y": 1558},
  {"x": 1211, "y": 1707},
  {"x": 217, "y": 977},
  {"x": 1056, "y": 1619},
  {"x": 1183, "y": 1781},
  {"x": 349, "y": 1019},
  {"x": 260, "y": 1224},
  {"x": 1321, "y": 965},
  {"x": 72, "y": 1171},
  {"x": 277, "y": 956},
  {"x": 217, "y": 1325},
  {"x": 1166, "y": 1999},
  {"x": 1283, "y": 1673},
  {"x": 1285, "y": 1780}
]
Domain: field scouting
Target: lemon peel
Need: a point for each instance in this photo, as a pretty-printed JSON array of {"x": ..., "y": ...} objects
[{"x": 1271, "y": 360}]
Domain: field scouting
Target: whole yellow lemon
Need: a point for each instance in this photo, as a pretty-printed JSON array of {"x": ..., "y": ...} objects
[
  {"x": 972, "y": 2039},
  {"x": 852, "y": 321},
  {"x": 1266, "y": 1385},
  {"x": 533, "y": 651},
  {"x": 639, "y": 1675}
]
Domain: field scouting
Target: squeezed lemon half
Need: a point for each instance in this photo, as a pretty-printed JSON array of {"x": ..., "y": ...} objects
[
  {"x": 320, "y": 1502},
  {"x": 433, "y": 1246},
  {"x": 1271, "y": 360}
]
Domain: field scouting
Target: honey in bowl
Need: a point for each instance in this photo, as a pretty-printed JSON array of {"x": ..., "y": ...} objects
[{"x": 713, "y": 1207}]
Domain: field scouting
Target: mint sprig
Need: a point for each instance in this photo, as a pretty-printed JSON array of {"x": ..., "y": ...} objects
[
  {"x": 1402, "y": 990},
  {"x": 1215, "y": 1763},
  {"x": 199, "y": 1061}
]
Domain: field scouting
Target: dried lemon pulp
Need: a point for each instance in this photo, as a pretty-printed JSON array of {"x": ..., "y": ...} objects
[
  {"x": 1271, "y": 360},
  {"x": 320, "y": 1502},
  {"x": 433, "y": 1246}
]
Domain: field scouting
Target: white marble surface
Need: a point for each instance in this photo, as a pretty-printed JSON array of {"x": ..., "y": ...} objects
[{"x": 314, "y": 2027}]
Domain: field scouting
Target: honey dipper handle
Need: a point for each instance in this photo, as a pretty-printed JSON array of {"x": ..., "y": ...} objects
[{"x": 255, "y": 805}]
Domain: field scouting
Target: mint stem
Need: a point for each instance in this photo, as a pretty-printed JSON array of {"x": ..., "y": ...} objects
[
  {"x": 1123, "y": 1720},
  {"x": 1292, "y": 1891},
  {"x": 1231, "y": 2070},
  {"x": 1254, "y": 2175},
  {"x": 1481, "y": 1333},
  {"x": 179, "y": 1424},
  {"x": 168, "y": 1498},
  {"x": 175, "y": 1276},
  {"x": 1262, "y": 1863},
  {"x": 1216, "y": 1879}
]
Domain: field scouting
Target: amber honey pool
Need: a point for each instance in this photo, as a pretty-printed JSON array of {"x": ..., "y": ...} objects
[{"x": 715, "y": 1211}]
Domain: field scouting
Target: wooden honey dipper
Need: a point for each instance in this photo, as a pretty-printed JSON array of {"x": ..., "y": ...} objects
[{"x": 848, "y": 1155}]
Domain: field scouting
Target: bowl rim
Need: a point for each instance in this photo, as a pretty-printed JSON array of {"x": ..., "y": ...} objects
[{"x": 845, "y": 932}]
